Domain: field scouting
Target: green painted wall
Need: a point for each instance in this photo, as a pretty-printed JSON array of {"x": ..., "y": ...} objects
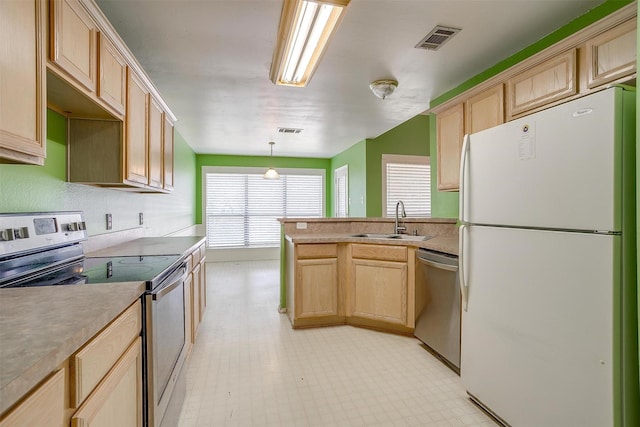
[
  {"x": 409, "y": 138},
  {"x": 26, "y": 188},
  {"x": 262, "y": 162},
  {"x": 355, "y": 157}
]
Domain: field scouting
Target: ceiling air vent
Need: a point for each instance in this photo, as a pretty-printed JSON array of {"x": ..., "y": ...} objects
[
  {"x": 289, "y": 130},
  {"x": 437, "y": 37}
]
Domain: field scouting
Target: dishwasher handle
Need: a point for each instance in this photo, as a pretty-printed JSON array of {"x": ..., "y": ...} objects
[{"x": 439, "y": 265}]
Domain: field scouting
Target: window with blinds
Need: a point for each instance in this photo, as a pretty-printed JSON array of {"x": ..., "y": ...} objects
[
  {"x": 241, "y": 209},
  {"x": 406, "y": 178}
]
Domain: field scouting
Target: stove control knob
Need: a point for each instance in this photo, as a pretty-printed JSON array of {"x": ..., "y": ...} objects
[
  {"x": 21, "y": 233},
  {"x": 6, "y": 235},
  {"x": 72, "y": 226},
  {"x": 82, "y": 225}
]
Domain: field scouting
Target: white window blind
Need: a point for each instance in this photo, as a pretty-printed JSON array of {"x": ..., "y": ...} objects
[
  {"x": 407, "y": 178},
  {"x": 242, "y": 208}
]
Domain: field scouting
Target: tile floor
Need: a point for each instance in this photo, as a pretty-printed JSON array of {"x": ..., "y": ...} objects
[{"x": 249, "y": 368}]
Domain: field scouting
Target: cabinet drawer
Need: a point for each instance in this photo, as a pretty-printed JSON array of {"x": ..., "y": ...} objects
[
  {"x": 43, "y": 407},
  {"x": 203, "y": 251},
  {"x": 381, "y": 252},
  {"x": 195, "y": 255},
  {"x": 94, "y": 360},
  {"x": 323, "y": 250},
  {"x": 543, "y": 84}
]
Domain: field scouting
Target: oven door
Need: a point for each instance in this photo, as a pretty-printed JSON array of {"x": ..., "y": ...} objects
[{"x": 165, "y": 343}]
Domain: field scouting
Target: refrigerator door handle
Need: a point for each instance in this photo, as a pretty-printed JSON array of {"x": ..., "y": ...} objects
[
  {"x": 463, "y": 281},
  {"x": 463, "y": 164}
]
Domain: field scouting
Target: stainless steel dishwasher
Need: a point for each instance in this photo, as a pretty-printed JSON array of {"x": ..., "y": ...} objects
[{"x": 438, "y": 305}]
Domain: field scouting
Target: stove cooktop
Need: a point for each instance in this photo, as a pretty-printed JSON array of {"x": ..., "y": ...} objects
[{"x": 128, "y": 268}]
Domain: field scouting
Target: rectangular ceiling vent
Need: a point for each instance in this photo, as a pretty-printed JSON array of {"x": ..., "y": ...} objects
[
  {"x": 437, "y": 37},
  {"x": 290, "y": 130}
]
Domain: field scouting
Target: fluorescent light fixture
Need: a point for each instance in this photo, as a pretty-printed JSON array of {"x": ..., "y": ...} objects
[{"x": 306, "y": 26}]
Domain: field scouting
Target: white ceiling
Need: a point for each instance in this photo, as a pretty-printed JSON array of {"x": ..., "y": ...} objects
[{"x": 210, "y": 60}]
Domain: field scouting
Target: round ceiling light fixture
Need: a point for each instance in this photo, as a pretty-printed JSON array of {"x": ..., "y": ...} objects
[{"x": 383, "y": 88}]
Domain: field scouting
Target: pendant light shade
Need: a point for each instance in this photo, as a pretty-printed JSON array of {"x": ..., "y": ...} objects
[{"x": 271, "y": 173}]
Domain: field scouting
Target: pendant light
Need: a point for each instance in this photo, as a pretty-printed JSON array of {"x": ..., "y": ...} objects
[{"x": 271, "y": 173}]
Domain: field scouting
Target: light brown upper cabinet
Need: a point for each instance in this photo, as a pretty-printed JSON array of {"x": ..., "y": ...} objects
[
  {"x": 136, "y": 146},
  {"x": 550, "y": 81},
  {"x": 156, "y": 128},
  {"x": 611, "y": 55},
  {"x": 23, "y": 103},
  {"x": 167, "y": 139},
  {"x": 485, "y": 110},
  {"x": 74, "y": 42},
  {"x": 112, "y": 84},
  {"x": 450, "y": 131}
]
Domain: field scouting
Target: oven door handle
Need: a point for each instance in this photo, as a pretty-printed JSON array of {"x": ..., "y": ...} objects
[{"x": 173, "y": 283}]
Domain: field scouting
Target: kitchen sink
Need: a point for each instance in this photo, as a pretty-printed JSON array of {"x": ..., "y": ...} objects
[{"x": 390, "y": 236}]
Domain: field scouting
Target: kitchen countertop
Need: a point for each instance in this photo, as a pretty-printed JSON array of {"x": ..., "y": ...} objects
[
  {"x": 41, "y": 327},
  {"x": 447, "y": 244},
  {"x": 148, "y": 246}
]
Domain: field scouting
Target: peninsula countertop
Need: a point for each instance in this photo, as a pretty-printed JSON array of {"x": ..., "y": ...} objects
[{"x": 41, "y": 327}]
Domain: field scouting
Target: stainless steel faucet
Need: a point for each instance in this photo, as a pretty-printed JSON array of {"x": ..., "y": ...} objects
[{"x": 400, "y": 229}]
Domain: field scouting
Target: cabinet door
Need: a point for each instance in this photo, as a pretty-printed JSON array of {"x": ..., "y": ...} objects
[
  {"x": 450, "y": 131},
  {"x": 156, "y": 127},
  {"x": 379, "y": 290},
  {"x": 112, "y": 69},
  {"x": 611, "y": 55},
  {"x": 316, "y": 287},
  {"x": 74, "y": 48},
  {"x": 43, "y": 407},
  {"x": 136, "y": 167},
  {"x": 543, "y": 84},
  {"x": 167, "y": 138},
  {"x": 23, "y": 68},
  {"x": 485, "y": 110},
  {"x": 117, "y": 401}
]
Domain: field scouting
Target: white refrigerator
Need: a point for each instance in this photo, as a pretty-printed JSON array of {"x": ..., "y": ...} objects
[{"x": 548, "y": 266}]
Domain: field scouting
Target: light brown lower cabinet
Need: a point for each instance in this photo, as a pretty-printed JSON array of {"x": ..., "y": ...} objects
[
  {"x": 367, "y": 285},
  {"x": 381, "y": 287},
  {"x": 43, "y": 407},
  {"x": 117, "y": 401},
  {"x": 197, "y": 283},
  {"x": 315, "y": 290},
  {"x": 379, "y": 290}
]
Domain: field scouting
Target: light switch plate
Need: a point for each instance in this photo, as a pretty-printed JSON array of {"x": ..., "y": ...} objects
[{"x": 301, "y": 225}]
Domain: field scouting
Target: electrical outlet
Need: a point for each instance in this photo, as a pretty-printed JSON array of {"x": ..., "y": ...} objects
[
  {"x": 140, "y": 218},
  {"x": 301, "y": 225},
  {"x": 109, "y": 222}
]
